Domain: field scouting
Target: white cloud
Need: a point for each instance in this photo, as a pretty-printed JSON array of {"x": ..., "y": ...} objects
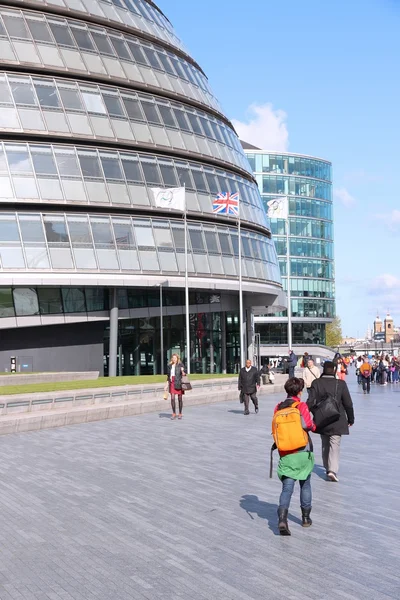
[
  {"x": 265, "y": 128},
  {"x": 391, "y": 219},
  {"x": 344, "y": 197},
  {"x": 383, "y": 284}
]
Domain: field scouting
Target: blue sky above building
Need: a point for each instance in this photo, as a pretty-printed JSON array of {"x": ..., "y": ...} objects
[{"x": 322, "y": 79}]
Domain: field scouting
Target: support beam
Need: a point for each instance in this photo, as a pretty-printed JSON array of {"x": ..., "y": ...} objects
[{"x": 113, "y": 352}]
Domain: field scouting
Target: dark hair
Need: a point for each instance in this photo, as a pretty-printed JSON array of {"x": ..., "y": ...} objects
[
  {"x": 329, "y": 368},
  {"x": 294, "y": 386}
]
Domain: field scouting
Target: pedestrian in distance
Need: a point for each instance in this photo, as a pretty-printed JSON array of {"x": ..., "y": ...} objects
[
  {"x": 335, "y": 391},
  {"x": 290, "y": 426},
  {"x": 366, "y": 373},
  {"x": 292, "y": 363},
  {"x": 248, "y": 384},
  {"x": 310, "y": 373},
  {"x": 176, "y": 371}
]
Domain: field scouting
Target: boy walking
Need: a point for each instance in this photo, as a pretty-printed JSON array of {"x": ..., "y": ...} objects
[{"x": 293, "y": 420}]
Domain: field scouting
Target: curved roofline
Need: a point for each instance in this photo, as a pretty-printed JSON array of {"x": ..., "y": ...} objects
[{"x": 250, "y": 151}]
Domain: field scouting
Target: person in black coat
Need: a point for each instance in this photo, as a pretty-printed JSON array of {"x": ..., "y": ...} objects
[
  {"x": 331, "y": 434},
  {"x": 249, "y": 382}
]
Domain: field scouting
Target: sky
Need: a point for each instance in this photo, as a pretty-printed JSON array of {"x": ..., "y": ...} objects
[{"x": 319, "y": 78}]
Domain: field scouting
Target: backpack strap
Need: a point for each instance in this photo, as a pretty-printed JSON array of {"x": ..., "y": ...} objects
[{"x": 271, "y": 460}]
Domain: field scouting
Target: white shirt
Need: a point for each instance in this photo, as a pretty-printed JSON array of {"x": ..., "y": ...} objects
[
  {"x": 172, "y": 370},
  {"x": 247, "y": 369}
]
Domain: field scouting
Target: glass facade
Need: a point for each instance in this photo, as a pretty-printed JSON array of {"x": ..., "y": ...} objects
[
  {"x": 100, "y": 105},
  {"x": 306, "y": 182}
]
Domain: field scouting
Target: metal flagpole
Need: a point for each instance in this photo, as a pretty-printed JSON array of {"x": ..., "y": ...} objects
[
  {"x": 242, "y": 353},
  {"x": 187, "y": 293},
  {"x": 289, "y": 310}
]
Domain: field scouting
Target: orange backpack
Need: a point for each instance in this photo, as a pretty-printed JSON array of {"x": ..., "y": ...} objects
[{"x": 287, "y": 429}]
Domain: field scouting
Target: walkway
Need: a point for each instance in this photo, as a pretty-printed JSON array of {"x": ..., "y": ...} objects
[{"x": 144, "y": 508}]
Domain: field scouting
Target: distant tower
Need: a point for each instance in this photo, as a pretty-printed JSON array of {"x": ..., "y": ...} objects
[
  {"x": 377, "y": 325},
  {"x": 389, "y": 329}
]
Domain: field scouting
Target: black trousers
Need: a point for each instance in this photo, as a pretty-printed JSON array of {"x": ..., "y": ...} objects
[
  {"x": 254, "y": 399},
  {"x": 366, "y": 384}
]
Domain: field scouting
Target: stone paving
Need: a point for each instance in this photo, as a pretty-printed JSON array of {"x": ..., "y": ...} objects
[{"x": 145, "y": 508}]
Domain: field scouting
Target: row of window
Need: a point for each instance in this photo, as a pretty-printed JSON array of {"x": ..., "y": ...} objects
[
  {"x": 305, "y": 207},
  {"x": 303, "y": 247},
  {"x": 294, "y": 186},
  {"x": 72, "y": 45},
  {"x": 302, "y": 333},
  {"x": 22, "y": 302},
  {"x": 69, "y": 108},
  {"x": 83, "y": 242},
  {"x": 307, "y": 267},
  {"x": 85, "y": 175},
  {"x": 303, "y": 228},
  {"x": 318, "y": 309},
  {"x": 289, "y": 165},
  {"x": 95, "y": 43},
  {"x": 137, "y": 14},
  {"x": 310, "y": 288}
]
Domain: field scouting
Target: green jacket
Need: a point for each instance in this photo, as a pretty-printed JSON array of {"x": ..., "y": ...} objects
[{"x": 298, "y": 465}]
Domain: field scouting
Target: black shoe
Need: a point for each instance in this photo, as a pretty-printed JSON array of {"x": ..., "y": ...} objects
[
  {"x": 256, "y": 409},
  {"x": 305, "y": 514},
  {"x": 246, "y": 412},
  {"x": 282, "y": 521}
]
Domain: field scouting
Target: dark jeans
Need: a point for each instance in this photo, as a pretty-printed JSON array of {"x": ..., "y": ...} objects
[
  {"x": 287, "y": 491},
  {"x": 246, "y": 398},
  {"x": 291, "y": 372},
  {"x": 366, "y": 384}
]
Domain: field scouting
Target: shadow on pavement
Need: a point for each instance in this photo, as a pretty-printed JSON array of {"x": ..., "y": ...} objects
[
  {"x": 164, "y": 415},
  {"x": 264, "y": 510},
  {"x": 236, "y": 412},
  {"x": 320, "y": 472}
]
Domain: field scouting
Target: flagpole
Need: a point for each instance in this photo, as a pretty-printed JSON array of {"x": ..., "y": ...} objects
[
  {"x": 187, "y": 291},
  {"x": 289, "y": 301},
  {"x": 241, "y": 330}
]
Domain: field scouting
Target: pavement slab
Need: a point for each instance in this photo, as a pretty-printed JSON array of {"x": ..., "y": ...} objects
[{"x": 147, "y": 508}]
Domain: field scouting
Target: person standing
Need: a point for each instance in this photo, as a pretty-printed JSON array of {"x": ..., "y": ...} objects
[
  {"x": 331, "y": 435},
  {"x": 292, "y": 363},
  {"x": 176, "y": 371},
  {"x": 296, "y": 464},
  {"x": 383, "y": 370},
  {"x": 249, "y": 382},
  {"x": 366, "y": 372},
  {"x": 310, "y": 373}
]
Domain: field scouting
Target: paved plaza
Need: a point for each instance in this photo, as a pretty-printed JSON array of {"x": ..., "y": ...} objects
[{"x": 145, "y": 508}]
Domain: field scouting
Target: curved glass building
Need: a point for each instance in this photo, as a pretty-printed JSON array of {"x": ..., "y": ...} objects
[
  {"x": 99, "y": 103},
  {"x": 307, "y": 182}
]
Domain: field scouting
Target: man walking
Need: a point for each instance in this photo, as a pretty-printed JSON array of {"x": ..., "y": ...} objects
[
  {"x": 310, "y": 373},
  {"x": 249, "y": 382},
  {"x": 331, "y": 435},
  {"x": 292, "y": 363},
  {"x": 366, "y": 371}
]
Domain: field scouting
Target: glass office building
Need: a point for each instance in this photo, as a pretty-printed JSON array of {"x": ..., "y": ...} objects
[
  {"x": 307, "y": 182},
  {"x": 99, "y": 103}
]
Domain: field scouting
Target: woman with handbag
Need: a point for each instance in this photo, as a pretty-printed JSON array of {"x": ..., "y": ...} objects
[
  {"x": 331, "y": 395},
  {"x": 176, "y": 371}
]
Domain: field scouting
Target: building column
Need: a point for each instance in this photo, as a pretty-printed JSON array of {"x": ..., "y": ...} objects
[
  {"x": 223, "y": 342},
  {"x": 112, "y": 361}
]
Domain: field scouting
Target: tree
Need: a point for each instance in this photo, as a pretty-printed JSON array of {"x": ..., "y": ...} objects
[{"x": 334, "y": 333}]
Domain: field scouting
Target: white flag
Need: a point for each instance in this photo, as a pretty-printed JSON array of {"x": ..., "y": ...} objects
[
  {"x": 278, "y": 208},
  {"x": 170, "y": 198}
]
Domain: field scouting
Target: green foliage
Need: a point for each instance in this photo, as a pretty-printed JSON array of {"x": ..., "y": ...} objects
[
  {"x": 334, "y": 333},
  {"x": 32, "y": 388}
]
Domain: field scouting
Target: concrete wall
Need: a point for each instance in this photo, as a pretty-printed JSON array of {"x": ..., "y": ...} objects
[{"x": 69, "y": 347}]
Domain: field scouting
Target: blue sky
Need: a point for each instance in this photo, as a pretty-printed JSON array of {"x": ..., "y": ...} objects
[{"x": 326, "y": 75}]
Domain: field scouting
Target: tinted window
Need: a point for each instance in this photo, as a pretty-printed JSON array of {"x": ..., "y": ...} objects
[
  {"x": 82, "y": 39},
  {"x": 62, "y": 35}
]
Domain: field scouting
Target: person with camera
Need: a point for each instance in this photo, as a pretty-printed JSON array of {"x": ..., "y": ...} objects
[{"x": 330, "y": 402}]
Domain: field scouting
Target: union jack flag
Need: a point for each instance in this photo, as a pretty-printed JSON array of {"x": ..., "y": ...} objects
[{"x": 226, "y": 204}]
